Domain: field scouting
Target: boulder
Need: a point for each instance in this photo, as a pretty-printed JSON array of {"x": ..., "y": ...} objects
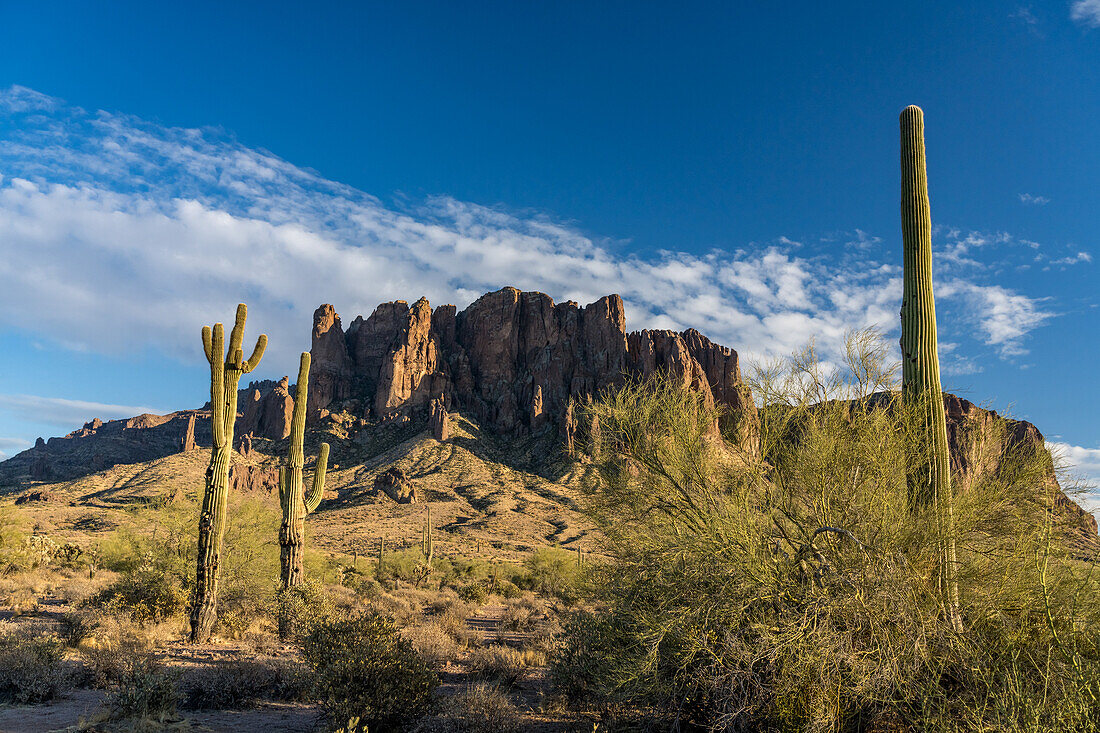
[{"x": 396, "y": 484}]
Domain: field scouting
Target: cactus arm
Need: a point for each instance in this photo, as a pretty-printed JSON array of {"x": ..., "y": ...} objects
[
  {"x": 282, "y": 487},
  {"x": 257, "y": 354},
  {"x": 313, "y": 498},
  {"x": 207, "y": 345},
  {"x": 217, "y": 384},
  {"x": 236, "y": 336}
]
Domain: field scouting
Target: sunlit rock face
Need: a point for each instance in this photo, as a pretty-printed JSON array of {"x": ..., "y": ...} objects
[{"x": 514, "y": 360}]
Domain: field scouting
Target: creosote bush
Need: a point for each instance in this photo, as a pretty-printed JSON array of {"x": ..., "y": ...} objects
[
  {"x": 31, "y": 668},
  {"x": 790, "y": 588},
  {"x": 362, "y": 667}
]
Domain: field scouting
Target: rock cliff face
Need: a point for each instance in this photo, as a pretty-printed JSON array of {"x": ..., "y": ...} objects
[
  {"x": 981, "y": 443},
  {"x": 514, "y": 360}
]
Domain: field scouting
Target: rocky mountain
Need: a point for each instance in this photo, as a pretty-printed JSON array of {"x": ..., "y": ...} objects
[
  {"x": 496, "y": 385},
  {"x": 515, "y": 361}
]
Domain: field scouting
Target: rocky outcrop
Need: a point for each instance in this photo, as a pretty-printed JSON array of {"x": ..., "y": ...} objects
[
  {"x": 513, "y": 360},
  {"x": 438, "y": 421},
  {"x": 263, "y": 479},
  {"x": 41, "y": 468},
  {"x": 98, "y": 445},
  {"x": 329, "y": 373},
  {"x": 985, "y": 444},
  {"x": 28, "y": 497},
  {"x": 187, "y": 442},
  {"x": 395, "y": 483},
  {"x": 265, "y": 409}
]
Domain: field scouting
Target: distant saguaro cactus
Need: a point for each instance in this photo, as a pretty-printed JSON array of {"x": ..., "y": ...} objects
[
  {"x": 296, "y": 506},
  {"x": 427, "y": 546},
  {"x": 225, "y": 374},
  {"x": 930, "y": 480}
]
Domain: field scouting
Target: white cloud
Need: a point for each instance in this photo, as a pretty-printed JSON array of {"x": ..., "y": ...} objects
[
  {"x": 117, "y": 235},
  {"x": 1027, "y": 198},
  {"x": 1073, "y": 259},
  {"x": 11, "y": 446},
  {"x": 1004, "y": 317},
  {"x": 1086, "y": 12},
  {"x": 64, "y": 413},
  {"x": 1084, "y": 463}
]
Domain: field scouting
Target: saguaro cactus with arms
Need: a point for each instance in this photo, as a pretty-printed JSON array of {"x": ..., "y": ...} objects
[
  {"x": 225, "y": 374},
  {"x": 295, "y": 505}
]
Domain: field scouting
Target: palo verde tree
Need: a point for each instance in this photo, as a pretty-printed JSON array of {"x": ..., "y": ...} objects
[
  {"x": 929, "y": 479},
  {"x": 296, "y": 505},
  {"x": 225, "y": 374}
]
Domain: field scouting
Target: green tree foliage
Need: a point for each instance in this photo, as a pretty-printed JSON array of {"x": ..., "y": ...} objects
[{"x": 795, "y": 591}]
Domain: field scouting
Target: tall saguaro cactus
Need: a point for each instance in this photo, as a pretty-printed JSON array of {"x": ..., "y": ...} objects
[
  {"x": 930, "y": 480},
  {"x": 295, "y": 505},
  {"x": 225, "y": 374}
]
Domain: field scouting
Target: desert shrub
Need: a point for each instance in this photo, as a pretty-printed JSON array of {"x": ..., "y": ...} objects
[
  {"x": 521, "y": 614},
  {"x": 432, "y": 642},
  {"x": 305, "y": 605},
  {"x": 450, "y": 612},
  {"x": 362, "y": 582},
  {"x": 786, "y": 584},
  {"x": 150, "y": 592},
  {"x": 551, "y": 571},
  {"x": 362, "y": 666},
  {"x": 480, "y": 708},
  {"x": 236, "y": 684},
  {"x": 501, "y": 664},
  {"x": 157, "y": 568},
  {"x": 474, "y": 593},
  {"x": 31, "y": 669},
  {"x": 146, "y": 690},
  {"x": 399, "y": 565},
  {"x": 583, "y": 665}
]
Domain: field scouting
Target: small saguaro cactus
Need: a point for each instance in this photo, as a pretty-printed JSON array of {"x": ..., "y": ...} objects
[
  {"x": 225, "y": 374},
  {"x": 929, "y": 481},
  {"x": 427, "y": 545},
  {"x": 296, "y": 506}
]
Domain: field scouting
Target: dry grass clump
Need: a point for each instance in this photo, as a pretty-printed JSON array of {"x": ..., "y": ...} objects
[
  {"x": 433, "y": 643},
  {"x": 503, "y": 664},
  {"x": 240, "y": 683},
  {"x": 480, "y": 708},
  {"x": 521, "y": 614}
]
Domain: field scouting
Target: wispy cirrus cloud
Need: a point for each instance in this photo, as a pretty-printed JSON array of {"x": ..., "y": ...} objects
[
  {"x": 1086, "y": 13},
  {"x": 118, "y": 234},
  {"x": 63, "y": 413},
  {"x": 1027, "y": 198}
]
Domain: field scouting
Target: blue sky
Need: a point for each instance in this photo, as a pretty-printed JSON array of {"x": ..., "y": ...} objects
[{"x": 729, "y": 168}]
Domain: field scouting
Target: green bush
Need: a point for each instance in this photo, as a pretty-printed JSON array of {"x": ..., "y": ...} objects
[
  {"x": 790, "y": 587},
  {"x": 361, "y": 666},
  {"x": 551, "y": 571},
  {"x": 31, "y": 669},
  {"x": 305, "y": 605},
  {"x": 474, "y": 593},
  {"x": 146, "y": 593}
]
